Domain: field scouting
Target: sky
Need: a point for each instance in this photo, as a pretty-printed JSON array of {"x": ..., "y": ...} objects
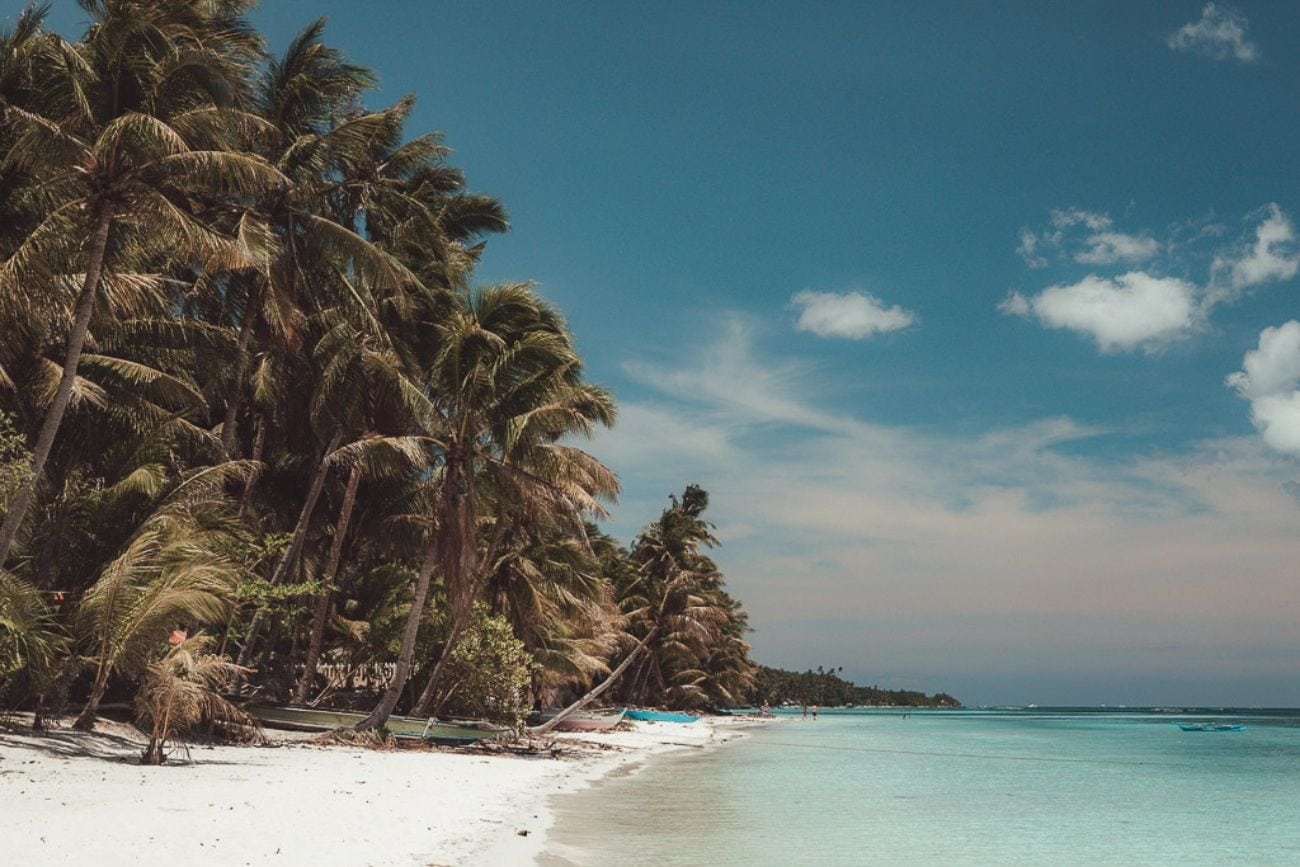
[{"x": 976, "y": 320}]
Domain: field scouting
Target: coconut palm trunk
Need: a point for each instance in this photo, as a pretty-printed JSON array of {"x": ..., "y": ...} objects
[
  {"x": 54, "y": 415},
  {"x": 230, "y": 424},
  {"x": 424, "y": 705},
  {"x": 259, "y": 447},
  {"x": 90, "y": 713},
  {"x": 291, "y": 554},
  {"x": 595, "y": 693},
  {"x": 460, "y": 565},
  {"x": 419, "y": 593},
  {"x": 326, "y": 592}
]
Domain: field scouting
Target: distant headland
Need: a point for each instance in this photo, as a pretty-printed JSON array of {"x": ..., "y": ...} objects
[{"x": 825, "y": 688}]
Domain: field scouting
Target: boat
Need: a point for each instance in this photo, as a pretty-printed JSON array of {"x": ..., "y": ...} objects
[
  {"x": 659, "y": 716},
  {"x": 442, "y": 732},
  {"x": 582, "y": 721},
  {"x": 1211, "y": 727}
]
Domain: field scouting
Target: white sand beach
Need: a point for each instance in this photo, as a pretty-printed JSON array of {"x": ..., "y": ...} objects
[{"x": 66, "y": 794}]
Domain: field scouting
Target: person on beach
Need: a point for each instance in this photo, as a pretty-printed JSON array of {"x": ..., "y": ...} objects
[{"x": 814, "y": 713}]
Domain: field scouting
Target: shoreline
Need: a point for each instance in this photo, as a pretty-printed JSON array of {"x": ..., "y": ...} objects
[{"x": 293, "y": 801}]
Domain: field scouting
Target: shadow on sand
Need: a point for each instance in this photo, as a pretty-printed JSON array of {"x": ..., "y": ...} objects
[{"x": 69, "y": 744}]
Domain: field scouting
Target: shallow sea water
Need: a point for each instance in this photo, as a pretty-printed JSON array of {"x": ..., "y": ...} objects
[{"x": 968, "y": 787}]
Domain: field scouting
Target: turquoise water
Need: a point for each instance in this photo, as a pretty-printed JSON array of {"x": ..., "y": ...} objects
[{"x": 971, "y": 787}]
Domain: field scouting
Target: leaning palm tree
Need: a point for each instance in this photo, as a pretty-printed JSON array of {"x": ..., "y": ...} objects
[
  {"x": 675, "y": 593},
  {"x": 132, "y": 131},
  {"x": 182, "y": 690},
  {"x": 669, "y": 596}
]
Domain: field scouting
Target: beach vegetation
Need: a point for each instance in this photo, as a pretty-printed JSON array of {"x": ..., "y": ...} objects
[
  {"x": 488, "y": 674},
  {"x": 182, "y": 690}
]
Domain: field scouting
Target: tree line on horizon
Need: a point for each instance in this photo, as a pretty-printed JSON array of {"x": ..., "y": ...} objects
[
  {"x": 257, "y": 422},
  {"x": 825, "y": 688}
]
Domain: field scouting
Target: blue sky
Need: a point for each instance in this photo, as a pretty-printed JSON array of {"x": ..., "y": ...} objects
[{"x": 939, "y": 300}]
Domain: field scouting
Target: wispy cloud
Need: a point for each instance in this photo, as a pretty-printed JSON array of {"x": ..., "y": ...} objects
[
  {"x": 1145, "y": 309},
  {"x": 1028, "y": 249},
  {"x": 853, "y": 315},
  {"x": 975, "y": 542},
  {"x": 1270, "y": 380},
  {"x": 1220, "y": 34},
  {"x": 1107, "y": 248},
  {"x": 1087, "y": 237}
]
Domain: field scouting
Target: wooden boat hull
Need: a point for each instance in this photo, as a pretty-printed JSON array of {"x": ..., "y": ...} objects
[
  {"x": 313, "y": 720},
  {"x": 580, "y": 722}
]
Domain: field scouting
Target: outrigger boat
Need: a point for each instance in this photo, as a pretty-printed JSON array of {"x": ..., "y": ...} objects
[
  {"x": 1211, "y": 727},
  {"x": 442, "y": 732}
]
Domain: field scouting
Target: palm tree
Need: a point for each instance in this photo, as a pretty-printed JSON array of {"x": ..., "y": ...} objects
[
  {"x": 551, "y": 586},
  {"x": 182, "y": 690},
  {"x": 504, "y": 387},
  {"x": 669, "y": 597},
  {"x": 675, "y": 592},
  {"x": 175, "y": 569},
  {"x": 31, "y": 642},
  {"x": 132, "y": 127}
]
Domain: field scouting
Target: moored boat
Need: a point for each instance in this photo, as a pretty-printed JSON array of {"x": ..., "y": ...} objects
[
  {"x": 1211, "y": 727},
  {"x": 659, "y": 716},
  {"x": 308, "y": 719},
  {"x": 584, "y": 721}
]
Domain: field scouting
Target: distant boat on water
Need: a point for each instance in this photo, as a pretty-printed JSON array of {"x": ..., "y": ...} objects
[{"x": 1211, "y": 727}]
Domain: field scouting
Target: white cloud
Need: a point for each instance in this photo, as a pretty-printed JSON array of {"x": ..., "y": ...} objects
[
  {"x": 1107, "y": 248},
  {"x": 1132, "y": 311},
  {"x": 1219, "y": 34},
  {"x": 1272, "y": 256},
  {"x": 1016, "y": 304},
  {"x": 1269, "y": 380},
  {"x": 854, "y": 315},
  {"x": 1143, "y": 309}
]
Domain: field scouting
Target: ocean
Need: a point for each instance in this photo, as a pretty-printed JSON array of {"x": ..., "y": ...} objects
[{"x": 1032, "y": 786}]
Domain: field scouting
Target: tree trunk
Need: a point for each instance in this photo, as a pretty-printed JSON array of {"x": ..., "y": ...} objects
[
  {"x": 230, "y": 425},
  {"x": 86, "y": 719},
  {"x": 72, "y": 358},
  {"x": 38, "y": 714},
  {"x": 420, "y": 592},
  {"x": 595, "y": 693},
  {"x": 424, "y": 704},
  {"x": 259, "y": 446},
  {"x": 327, "y": 586},
  {"x": 295, "y": 543},
  {"x": 459, "y": 563}
]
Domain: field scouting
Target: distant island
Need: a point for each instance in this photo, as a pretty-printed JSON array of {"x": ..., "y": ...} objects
[{"x": 825, "y": 688}]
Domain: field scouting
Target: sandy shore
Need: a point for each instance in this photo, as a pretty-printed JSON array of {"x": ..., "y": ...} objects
[{"x": 69, "y": 797}]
